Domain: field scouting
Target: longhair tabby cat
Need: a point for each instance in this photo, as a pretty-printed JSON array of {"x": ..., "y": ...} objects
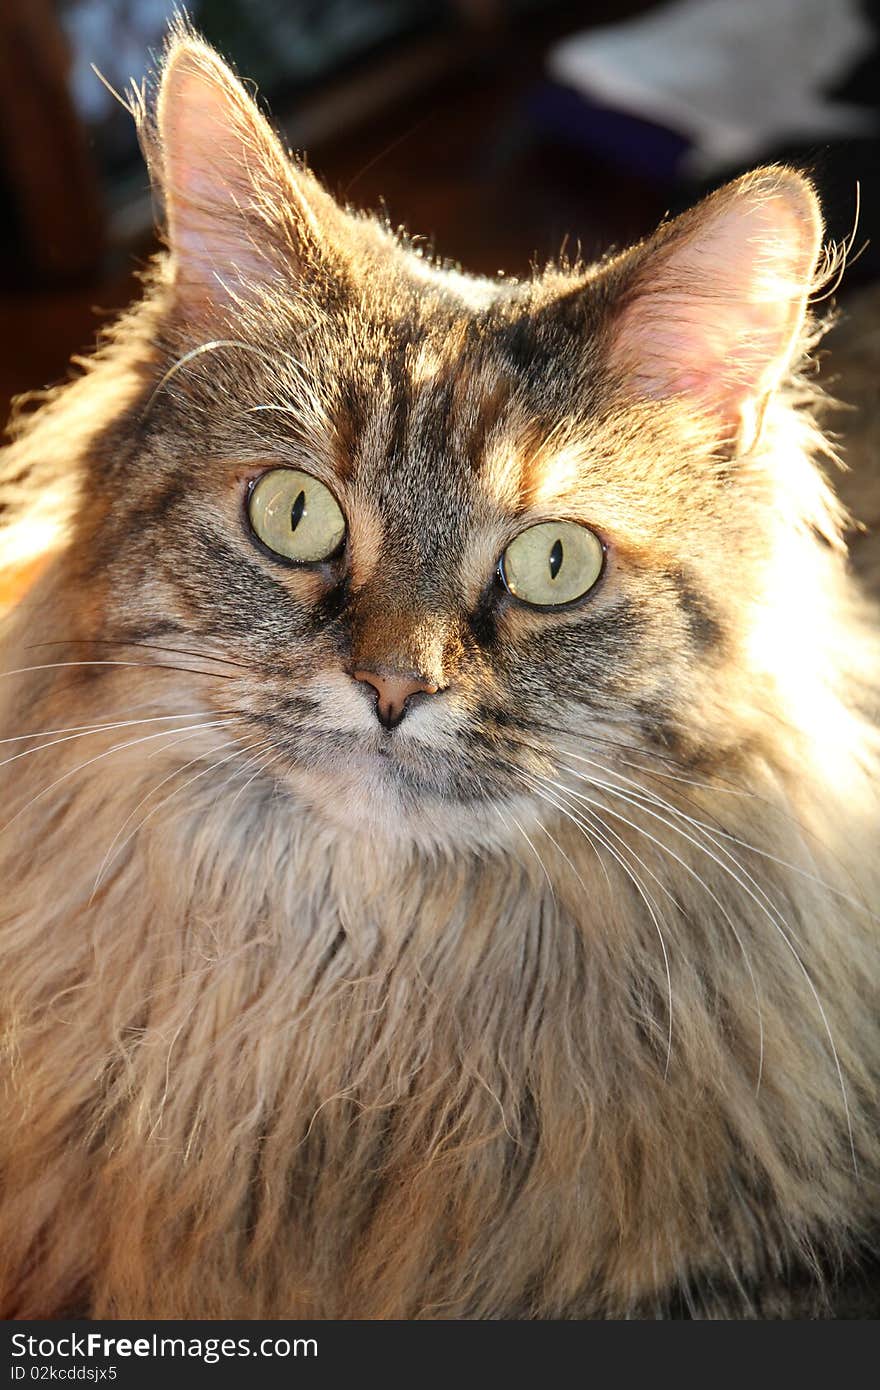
[{"x": 439, "y": 833}]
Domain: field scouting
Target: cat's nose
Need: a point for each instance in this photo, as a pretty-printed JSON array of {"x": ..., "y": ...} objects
[{"x": 394, "y": 690}]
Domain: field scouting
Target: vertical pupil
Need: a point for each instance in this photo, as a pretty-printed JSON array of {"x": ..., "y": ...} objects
[
  {"x": 296, "y": 511},
  {"x": 555, "y": 559}
]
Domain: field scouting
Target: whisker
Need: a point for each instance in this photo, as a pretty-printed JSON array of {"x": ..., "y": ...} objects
[
  {"x": 752, "y": 848},
  {"x": 718, "y": 784},
  {"x": 649, "y": 903},
  {"x": 175, "y": 772},
  {"x": 777, "y": 922},
  {"x": 213, "y": 346},
  {"x": 212, "y": 767},
  {"x": 729, "y": 789},
  {"x": 117, "y": 748},
  {"x": 260, "y": 767},
  {"x": 576, "y": 823},
  {"x": 705, "y": 887},
  {"x": 639, "y": 800},
  {"x": 676, "y": 777},
  {"x": 147, "y": 665},
  {"x": 146, "y": 646},
  {"x": 84, "y": 730},
  {"x": 532, "y": 848}
]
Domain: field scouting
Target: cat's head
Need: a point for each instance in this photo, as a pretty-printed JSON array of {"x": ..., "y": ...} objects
[{"x": 456, "y": 533}]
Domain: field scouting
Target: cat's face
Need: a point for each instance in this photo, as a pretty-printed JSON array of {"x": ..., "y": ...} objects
[{"x": 338, "y": 478}]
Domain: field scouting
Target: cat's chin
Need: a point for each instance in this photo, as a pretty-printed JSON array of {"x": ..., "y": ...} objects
[{"x": 370, "y": 795}]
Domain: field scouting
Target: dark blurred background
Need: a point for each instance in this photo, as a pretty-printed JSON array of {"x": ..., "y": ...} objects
[{"x": 495, "y": 128}]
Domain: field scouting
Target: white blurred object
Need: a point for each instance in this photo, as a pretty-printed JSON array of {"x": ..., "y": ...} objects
[
  {"x": 736, "y": 77},
  {"x": 115, "y": 36}
]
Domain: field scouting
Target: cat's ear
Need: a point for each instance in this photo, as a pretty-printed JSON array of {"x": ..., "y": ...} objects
[
  {"x": 716, "y": 305},
  {"x": 238, "y": 214}
]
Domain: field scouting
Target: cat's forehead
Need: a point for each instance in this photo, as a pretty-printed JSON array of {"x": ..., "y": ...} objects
[{"x": 457, "y": 400}]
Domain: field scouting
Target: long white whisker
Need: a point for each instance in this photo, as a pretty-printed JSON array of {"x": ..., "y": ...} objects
[
  {"x": 175, "y": 772},
  {"x": 649, "y": 903},
  {"x": 714, "y": 829},
  {"x": 98, "y": 726},
  {"x": 619, "y": 747},
  {"x": 706, "y": 889},
  {"x": 676, "y": 777},
  {"x": 202, "y": 350},
  {"x": 578, "y": 826},
  {"x": 212, "y": 767},
  {"x": 117, "y": 748},
  {"x": 776, "y": 921},
  {"x": 644, "y": 802},
  {"x": 639, "y": 796},
  {"x": 559, "y": 848},
  {"x": 260, "y": 767},
  {"x": 727, "y": 788},
  {"x": 532, "y": 848},
  {"x": 147, "y": 665},
  {"x": 139, "y": 646},
  {"x": 86, "y": 730}
]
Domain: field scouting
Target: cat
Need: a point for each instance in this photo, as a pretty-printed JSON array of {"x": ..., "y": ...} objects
[{"x": 440, "y": 776}]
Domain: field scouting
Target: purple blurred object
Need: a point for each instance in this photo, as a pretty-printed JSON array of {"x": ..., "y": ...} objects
[{"x": 624, "y": 140}]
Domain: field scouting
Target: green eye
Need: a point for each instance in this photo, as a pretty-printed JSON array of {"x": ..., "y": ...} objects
[
  {"x": 296, "y": 516},
  {"x": 552, "y": 564}
]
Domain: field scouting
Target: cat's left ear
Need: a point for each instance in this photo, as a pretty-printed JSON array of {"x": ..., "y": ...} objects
[
  {"x": 239, "y": 215},
  {"x": 713, "y": 306}
]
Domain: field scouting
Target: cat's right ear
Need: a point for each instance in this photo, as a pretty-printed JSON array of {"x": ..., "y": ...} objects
[{"x": 239, "y": 216}]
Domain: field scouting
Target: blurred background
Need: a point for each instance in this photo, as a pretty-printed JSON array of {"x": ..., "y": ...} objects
[{"x": 500, "y": 130}]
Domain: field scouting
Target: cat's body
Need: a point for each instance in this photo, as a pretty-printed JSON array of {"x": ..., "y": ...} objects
[{"x": 559, "y": 1000}]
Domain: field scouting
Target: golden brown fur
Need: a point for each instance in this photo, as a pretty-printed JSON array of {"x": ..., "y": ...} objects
[{"x": 281, "y": 1038}]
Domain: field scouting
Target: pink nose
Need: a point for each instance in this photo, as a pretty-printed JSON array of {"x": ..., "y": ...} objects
[{"x": 393, "y": 692}]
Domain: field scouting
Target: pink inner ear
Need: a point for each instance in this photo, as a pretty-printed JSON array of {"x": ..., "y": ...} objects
[
  {"x": 719, "y": 306},
  {"x": 219, "y": 160}
]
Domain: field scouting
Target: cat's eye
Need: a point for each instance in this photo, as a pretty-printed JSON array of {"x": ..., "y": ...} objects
[
  {"x": 552, "y": 564},
  {"x": 296, "y": 516}
]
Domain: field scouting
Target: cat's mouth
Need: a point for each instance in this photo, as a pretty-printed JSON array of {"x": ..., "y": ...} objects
[
  {"x": 402, "y": 771},
  {"x": 401, "y": 765},
  {"x": 401, "y": 792}
]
